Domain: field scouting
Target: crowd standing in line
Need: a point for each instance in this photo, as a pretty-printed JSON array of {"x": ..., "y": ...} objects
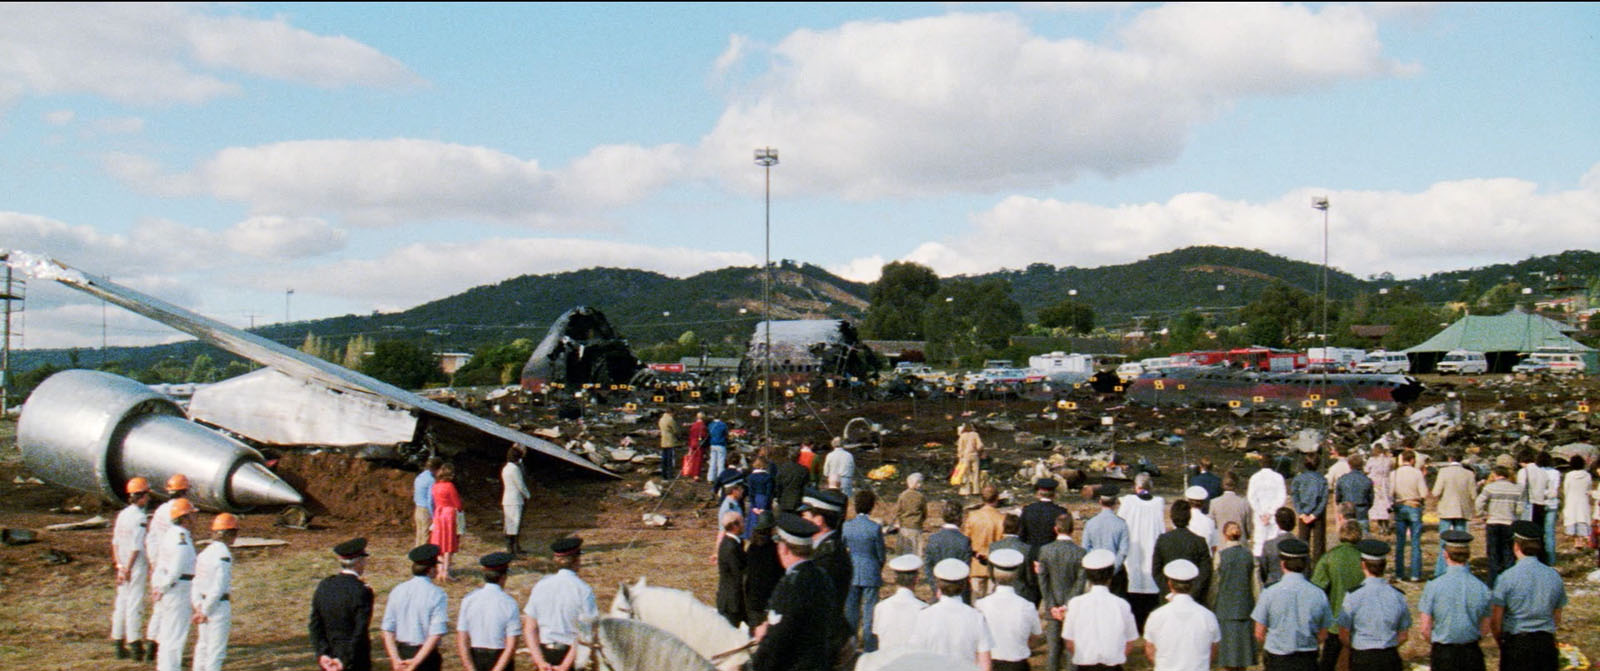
[{"x": 1244, "y": 586}]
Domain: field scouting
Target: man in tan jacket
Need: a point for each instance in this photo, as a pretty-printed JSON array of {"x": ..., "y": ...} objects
[
  {"x": 1455, "y": 489},
  {"x": 983, "y": 527},
  {"x": 669, "y": 444}
]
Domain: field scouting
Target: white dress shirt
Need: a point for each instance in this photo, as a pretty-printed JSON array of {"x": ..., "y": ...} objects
[
  {"x": 1100, "y": 625},
  {"x": 952, "y": 628},
  {"x": 1183, "y": 632},
  {"x": 1012, "y": 619},
  {"x": 1203, "y": 526},
  {"x": 894, "y": 620}
]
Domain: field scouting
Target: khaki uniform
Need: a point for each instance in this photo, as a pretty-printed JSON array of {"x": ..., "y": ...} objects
[{"x": 983, "y": 527}]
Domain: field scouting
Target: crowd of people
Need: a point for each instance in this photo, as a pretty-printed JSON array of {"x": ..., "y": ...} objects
[
  {"x": 1219, "y": 578},
  {"x": 1224, "y": 577}
]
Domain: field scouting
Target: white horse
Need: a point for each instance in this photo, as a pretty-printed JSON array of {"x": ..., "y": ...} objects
[
  {"x": 633, "y": 645},
  {"x": 677, "y": 612}
]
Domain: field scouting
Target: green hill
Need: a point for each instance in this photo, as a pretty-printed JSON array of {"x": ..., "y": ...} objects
[{"x": 649, "y": 307}]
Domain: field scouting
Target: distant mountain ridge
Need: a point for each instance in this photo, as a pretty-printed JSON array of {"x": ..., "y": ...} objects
[{"x": 650, "y": 307}]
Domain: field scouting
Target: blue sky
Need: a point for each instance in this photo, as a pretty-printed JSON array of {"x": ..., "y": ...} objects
[{"x": 373, "y": 157}]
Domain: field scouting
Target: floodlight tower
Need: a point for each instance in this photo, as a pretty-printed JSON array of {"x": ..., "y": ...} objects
[
  {"x": 766, "y": 157},
  {"x": 1321, "y": 203}
]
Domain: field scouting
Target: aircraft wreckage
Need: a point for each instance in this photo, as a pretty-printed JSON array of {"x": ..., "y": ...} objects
[
  {"x": 114, "y": 431},
  {"x": 580, "y": 348},
  {"x": 1221, "y": 385}
]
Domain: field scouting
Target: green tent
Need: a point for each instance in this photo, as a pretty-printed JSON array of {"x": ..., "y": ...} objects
[{"x": 1501, "y": 338}]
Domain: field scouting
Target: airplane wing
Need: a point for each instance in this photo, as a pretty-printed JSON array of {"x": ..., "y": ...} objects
[{"x": 291, "y": 362}]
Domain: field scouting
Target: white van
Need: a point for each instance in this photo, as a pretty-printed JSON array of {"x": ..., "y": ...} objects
[
  {"x": 1545, "y": 360},
  {"x": 1384, "y": 362},
  {"x": 1463, "y": 362}
]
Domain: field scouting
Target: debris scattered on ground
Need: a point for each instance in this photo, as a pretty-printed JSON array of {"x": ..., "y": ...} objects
[
  {"x": 655, "y": 520},
  {"x": 56, "y": 557},
  {"x": 96, "y": 522},
  {"x": 17, "y": 536}
]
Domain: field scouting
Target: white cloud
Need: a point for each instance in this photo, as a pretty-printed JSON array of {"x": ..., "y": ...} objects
[
  {"x": 386, "y": 182},
  {"x": 864, "y": 269},
  {"x": 1449, "y": 226},
  {"x": 59, "y": 117},
  {"x": 162, "y": 53},
  {"x": 126, "y": 125},
  {"x": 730, "y": 57},
  {"x": 284, "y": 237},
  {"x": 417, "y": 273},
  {"x": 980, "y": 103},
  {"x": 152, "y": 245}
]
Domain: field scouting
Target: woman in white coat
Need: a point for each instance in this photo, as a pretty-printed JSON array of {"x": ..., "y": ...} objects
[{"x": 1576, "y": 505}]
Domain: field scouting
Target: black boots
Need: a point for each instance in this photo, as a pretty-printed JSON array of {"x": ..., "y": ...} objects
[
  {"x": 512, "y": 546},
  {"x": 149, "y": 651},
  {"x": 122, "y": 650},
  {"x": 138, "y": 651}
]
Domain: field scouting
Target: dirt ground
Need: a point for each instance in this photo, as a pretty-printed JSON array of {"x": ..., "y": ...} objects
[{"x": 57, "y": 615}]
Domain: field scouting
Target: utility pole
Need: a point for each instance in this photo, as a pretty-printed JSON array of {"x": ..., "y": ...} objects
[
  {"x": 766, "y": 158},
  {"x": 9, "y": 294}
]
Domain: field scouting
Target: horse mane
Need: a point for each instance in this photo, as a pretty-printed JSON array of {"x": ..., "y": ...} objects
[
  {"x": 679, "y": 613},
  {"x": 633, "y": 645}
]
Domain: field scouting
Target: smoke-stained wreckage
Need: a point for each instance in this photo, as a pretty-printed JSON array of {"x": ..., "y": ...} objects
[
  {"x": 580, "y": 348},
  {"x": 117, "y": 431}
]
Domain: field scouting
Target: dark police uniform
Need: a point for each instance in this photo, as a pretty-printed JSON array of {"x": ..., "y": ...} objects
[
  {"x": 829, "y": 553},
  {"x": 802, "y": 613},
  {"x": 1039, "y": 519},
  {"x": 341, "y": 613}
]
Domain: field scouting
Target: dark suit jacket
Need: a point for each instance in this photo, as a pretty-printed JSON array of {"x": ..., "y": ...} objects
[
  {"x": 1039, "y": 524},
  {"x": 341, "y": 616},
  {"x": 1183, "y": 544},
  {"x": 803, "y": 638},
  {"x": 1027, "y": 585},
  {"x": 1060, "y": 572},
  {"x": 762, "y": 571},
  {"x": 730, "y": 579},
  {"x": 945, "y": 544},
  {"x": 1209, "y": 481},
  {"x": 834, "y": 560},
  {"x": 789, "y": 480}
]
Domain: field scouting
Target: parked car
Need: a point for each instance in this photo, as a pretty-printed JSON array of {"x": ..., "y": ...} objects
[
  {"x": 1463, "y": 362},
  {"x": 1130, "y": 370},
  {"x": 1384, "y": 362},
  {"x": 1551, "y": 361},
  {"x": 1531, "y": 367}
]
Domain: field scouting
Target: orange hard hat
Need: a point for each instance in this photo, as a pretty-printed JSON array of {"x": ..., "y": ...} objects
[
  {"x": 138, "y": 486},
  {"x": 177, "y": 481},
  {"x": 224, "y": 521},
  {"x": 181, "y": 507}
]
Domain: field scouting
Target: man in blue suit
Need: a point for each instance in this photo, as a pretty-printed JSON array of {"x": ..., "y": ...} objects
[
  {"x": 947, "y": 543},
  {"x": 864, "y": 539}
]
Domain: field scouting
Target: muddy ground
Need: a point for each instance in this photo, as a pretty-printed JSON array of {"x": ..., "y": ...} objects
[{"x": 57, "y": 615}]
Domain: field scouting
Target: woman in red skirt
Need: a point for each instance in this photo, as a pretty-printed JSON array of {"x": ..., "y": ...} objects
[{"x": 446, "y": 506}]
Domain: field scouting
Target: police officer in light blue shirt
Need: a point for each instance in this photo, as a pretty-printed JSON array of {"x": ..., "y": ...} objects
[
  {"x": 1107, "y": 531},
  {"x": 555, "y": 606},
  {"x": 487, "y": 626},
  {"x": 417, "y": 615},
  {"x": 1527, "y": 600},
  {"x": 1292, "y": 616},
  {"x": 1374, "y": 619},
  {"x": 1455, "y": 609}
]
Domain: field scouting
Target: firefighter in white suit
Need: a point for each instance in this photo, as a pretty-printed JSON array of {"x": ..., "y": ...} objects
[
  {"x": 212, "y": 597},
  {"x": 170, "y": 585}
]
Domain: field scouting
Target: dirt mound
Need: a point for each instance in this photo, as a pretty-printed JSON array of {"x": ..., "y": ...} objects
[{"x": 350, "y": 488}]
